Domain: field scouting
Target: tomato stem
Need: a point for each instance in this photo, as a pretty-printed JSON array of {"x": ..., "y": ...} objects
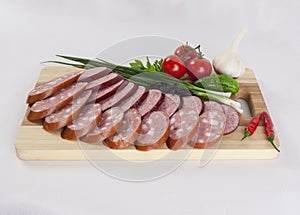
[
  {"x": 200, "y": 54},
  {"x": 197, "y": 47}
]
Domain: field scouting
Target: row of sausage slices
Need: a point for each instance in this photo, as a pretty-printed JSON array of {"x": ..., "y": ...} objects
[{"x": 98, "y": 106}]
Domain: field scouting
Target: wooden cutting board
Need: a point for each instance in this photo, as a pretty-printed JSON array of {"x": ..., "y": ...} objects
[{"x": 34, "y": 143}]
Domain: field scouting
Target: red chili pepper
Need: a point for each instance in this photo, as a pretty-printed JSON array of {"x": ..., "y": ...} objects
[
  {"x": 252, "y": 125},
  {"x": 269, "y": 129}
]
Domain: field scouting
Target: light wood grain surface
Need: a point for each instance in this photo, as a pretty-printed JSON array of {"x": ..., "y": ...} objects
[{"x": 34, "y": 143}]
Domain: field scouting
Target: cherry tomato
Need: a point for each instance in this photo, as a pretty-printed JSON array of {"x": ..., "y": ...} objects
[
  {"x": 186, "y": 52},
  {"x": 198, "y": 68},
  {"x": 174, "y": 66}
]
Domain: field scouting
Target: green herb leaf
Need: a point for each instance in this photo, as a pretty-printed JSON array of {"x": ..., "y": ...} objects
[
  {"x": 148, "y": 64},
  {"x": 158, "y": 65},
  {"x": 137, "y": 64}
]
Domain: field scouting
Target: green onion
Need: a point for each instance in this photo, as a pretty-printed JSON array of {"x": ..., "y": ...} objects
[{"x": 150, "y": 78}]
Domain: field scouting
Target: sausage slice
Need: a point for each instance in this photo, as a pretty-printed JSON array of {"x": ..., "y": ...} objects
[
  {"x": 183, "y": 127},
  {"x": 151, "y": 102},
  {"x": 124, "y": 92},
  {"x": 170, "y": 104},
  {"x": 192, "y": 102},
  {"x": 65, "y": 115},
  {"x": 103, "y": 82},
  {"x": 127, "y": 132},
  {"x": 93, "y": 74},
  {"x": 232, "y": 119},
  {"x": 85, "y": 122},
  {"x": 49, "y": 88},
  {"x": 97, "y": 96},
  {"x": 212, "y": 105},
  {"x": 47, "y": 106},
  {"x": 138, "y": 96},
  {"x": 155, "y": 131},
  {"x": 210, "y": 129},
  {"x": 108, "y": 125}
]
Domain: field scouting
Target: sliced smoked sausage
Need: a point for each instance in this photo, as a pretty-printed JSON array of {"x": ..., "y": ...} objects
[
  {"x": 49, "y": 88},
  {"x": 155, "y": 131},
  {"x": 192, "y": 102},
  {"x": 85, "y": 122},
  {"x": 128, "y": 131},
  {"x": 138, "y": 96},
  {"x": 122, "y": 93},
  {"x": 183, "y": 127},
  {"x": 64, "y": 116},
  {"x": 210, "y": 129},
  {"x": 97, "y": 96},
  {"x": 232, "y": 119},
  {"x": 108, "y": 125},
  {"x": 151, "y": 102},
  {"x": 103, "y": 82},
  {"x": 212, "y": 105},
  {"x": 93, "y": 74},
  {"x": 170, "y": 104},
  {"x": 47, "y": 106}
]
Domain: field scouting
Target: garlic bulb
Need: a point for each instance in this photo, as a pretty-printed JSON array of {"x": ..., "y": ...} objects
[{"x": 229, "y": 62}]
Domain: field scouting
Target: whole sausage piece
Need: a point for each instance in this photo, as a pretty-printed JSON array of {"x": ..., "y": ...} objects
[
  {"x": 103, "y": 82},
  {"x": 137, "y": 97},
  {"x": 97, "y": 96},
  {"x": 155, "y": 131},
  {"x": 210, "y": 129},
  {"x": 85, "y": 122},
  {"x": 232, "y": 119},
  {"x": 47, "y": 106},
  {"x": 108, "y": 125},
  {"x": 49, "y": 88},
  {"x": 64, "y": 116},
  {"x": 93, "y": 74},
  {"x": 170, "y": 104},
  {"x": 183, "y": 127},
  {"x": 128, "y": 131},
  {"x": 122, "y": 93},
  {"x": 192, "y": 102},
  {"x": 151, "y": 102}
]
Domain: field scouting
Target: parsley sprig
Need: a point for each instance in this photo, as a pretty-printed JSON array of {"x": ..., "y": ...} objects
[{"x": 155, "y": 67}]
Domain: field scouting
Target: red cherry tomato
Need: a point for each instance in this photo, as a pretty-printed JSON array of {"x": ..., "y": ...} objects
[
  {"x": 174, "y": 66},
  {"x": 186, "y": 52},
  {"x": 198, "y": 68}
]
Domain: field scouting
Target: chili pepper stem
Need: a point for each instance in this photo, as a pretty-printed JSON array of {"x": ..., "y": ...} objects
[
  {"x": 275, "y": 147},
  {"x": 246, "y": 134},
  {"x": 271, "y": 140}
]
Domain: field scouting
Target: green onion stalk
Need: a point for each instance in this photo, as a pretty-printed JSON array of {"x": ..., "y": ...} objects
[{"x": 149, "y": 78}]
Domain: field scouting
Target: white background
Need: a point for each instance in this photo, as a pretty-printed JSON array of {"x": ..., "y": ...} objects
[{"x": 34, "y": 31}]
